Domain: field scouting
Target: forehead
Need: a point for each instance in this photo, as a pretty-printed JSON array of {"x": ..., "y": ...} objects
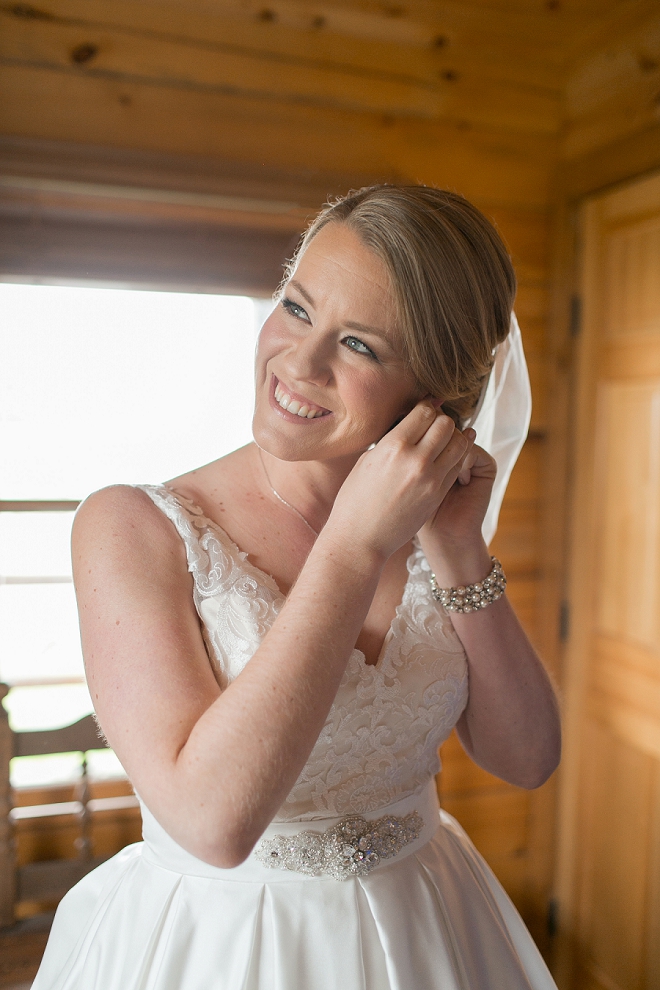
[{"x": 336, "y": 266}]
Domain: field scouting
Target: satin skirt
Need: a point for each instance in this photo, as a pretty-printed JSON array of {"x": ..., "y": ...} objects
[{"x": 156, "y": 918}]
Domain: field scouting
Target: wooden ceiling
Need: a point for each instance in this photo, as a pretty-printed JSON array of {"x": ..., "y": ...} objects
[{"x": 497, "y": 63}]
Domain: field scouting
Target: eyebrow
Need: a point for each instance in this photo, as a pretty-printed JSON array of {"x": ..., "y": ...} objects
[{"x": 350, "y": 324}]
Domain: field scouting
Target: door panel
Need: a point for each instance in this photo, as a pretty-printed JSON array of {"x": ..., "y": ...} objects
[{"x": 609, "y": 857}]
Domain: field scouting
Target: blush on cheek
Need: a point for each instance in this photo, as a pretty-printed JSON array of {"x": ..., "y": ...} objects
[
  {"x": 271, "y": 336},
  {"x": 374, "y": 403}
]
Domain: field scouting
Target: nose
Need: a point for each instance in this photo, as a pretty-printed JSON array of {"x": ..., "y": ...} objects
[{"x": 308, "y": 360}]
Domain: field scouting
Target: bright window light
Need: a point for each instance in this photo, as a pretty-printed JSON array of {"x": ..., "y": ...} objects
[{"x": 98, "y": 386}]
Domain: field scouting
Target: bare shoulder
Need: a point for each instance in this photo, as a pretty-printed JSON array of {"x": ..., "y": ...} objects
[{"x": 120, "y": 529}]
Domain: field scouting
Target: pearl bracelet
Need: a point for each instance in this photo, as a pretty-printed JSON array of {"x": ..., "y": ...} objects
[{"x": 472, "y": 597}]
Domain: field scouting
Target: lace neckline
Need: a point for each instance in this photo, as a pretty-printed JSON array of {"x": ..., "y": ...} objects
[{"x": 241, "y": 559}]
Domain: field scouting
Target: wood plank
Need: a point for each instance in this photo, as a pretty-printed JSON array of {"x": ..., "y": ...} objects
[
  {"x": 652, "y": 954},
  {"x": 497, "y": 823},
  {"x": 481, "y": 163},
  {"x": 51, "y": 880},
  {"x": 526, "y": 477},
  {"x": 200, "y": 65},
  {"x": 492, "y": 35},
  {"x": 618, "y": 359},
  {"x": 626, "y": 722},
  {"x": 516, "y": 540},
  {"x": 175, "y": 64},
  {"x": 54, "y": 838},
  {"x": 617, "y": 679},
  {"x": 613, "y": 93},
  {"x": 81, "y": 736},
  {"x": 7, "y": 854},
  {"x": 637, "y": 656},
  {"x": 21, "y": 950},
  {"x": 617, "y": 794}
]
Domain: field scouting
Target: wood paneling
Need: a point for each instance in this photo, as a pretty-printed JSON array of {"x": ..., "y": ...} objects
[
  {"x": 612, "y": 91},
  {"x": 225, "y": 122},
  {"x": 610, "y": 833}
]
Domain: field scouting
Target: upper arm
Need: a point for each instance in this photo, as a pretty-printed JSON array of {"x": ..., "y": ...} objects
[{"x": 147, "y": 667}]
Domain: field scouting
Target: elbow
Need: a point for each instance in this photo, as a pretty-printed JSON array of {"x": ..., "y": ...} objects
[
  {"x": 540, "y": 771},
  {"x": 228, "y": 850}
]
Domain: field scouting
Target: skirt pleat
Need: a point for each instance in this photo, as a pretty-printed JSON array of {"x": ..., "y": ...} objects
[{"x": 436, "y": 919}]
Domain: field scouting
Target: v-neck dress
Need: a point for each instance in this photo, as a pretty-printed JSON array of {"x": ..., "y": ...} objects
[{"x": 427, "y": 914}]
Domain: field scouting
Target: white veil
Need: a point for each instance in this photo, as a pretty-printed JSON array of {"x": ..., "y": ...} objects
[{"x": 502, "y": 416}]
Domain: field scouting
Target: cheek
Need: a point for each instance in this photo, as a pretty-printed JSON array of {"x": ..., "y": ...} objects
[
  {"x": 270, "y": 340},
  {"x": 375, "y": 400}
]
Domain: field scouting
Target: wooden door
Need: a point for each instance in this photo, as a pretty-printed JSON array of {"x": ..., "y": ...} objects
[{"x": 609, "y": 857}]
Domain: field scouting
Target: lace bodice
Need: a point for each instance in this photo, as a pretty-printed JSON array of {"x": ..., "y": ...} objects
[{"x": 380, "y": 740}]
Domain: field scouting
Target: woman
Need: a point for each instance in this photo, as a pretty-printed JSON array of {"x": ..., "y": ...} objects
[{"x": 292, "y": 838}]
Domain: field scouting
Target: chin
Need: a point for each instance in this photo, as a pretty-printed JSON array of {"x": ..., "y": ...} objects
[{"x": 284, "y": 448}]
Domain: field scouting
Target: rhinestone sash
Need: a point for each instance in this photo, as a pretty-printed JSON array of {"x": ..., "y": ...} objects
[
  {"x": 416, "y": 811},
  {"x": 352, "y": 848}
]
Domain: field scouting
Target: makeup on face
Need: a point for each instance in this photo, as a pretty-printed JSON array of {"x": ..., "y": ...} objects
[{"x": 327, "y": 359}]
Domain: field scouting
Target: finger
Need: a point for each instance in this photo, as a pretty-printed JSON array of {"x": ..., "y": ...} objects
[
  {"x": 440, "y": 434},
  {"x": 485, "y": 465},
  {"x": 414, "y": 426},
  {"x": 465, "y": 472}
]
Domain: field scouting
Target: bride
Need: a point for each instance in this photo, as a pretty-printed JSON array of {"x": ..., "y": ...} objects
[{"x": 277, "y": 643}]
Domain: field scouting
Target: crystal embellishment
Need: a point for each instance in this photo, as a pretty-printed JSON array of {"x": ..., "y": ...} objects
[{"x": 352, "y": 848}]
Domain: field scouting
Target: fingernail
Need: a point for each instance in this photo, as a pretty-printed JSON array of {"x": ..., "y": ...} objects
[{"x": 470, "y": 434}]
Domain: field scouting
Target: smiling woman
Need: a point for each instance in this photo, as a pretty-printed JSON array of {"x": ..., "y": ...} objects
[{"x": 269, "y": 655}]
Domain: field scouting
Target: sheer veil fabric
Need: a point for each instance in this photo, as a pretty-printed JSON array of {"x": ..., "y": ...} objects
[{"x": 502, "y": 417}]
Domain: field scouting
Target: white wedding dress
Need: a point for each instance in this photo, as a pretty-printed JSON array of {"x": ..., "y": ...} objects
[{"x": 429, "y": 916}]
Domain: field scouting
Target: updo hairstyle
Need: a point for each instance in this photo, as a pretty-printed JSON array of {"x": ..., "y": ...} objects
[{"x": 452, "y": 278}]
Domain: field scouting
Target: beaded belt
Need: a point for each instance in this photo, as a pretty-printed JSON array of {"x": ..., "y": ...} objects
[
  {"x": 311, "y": 851},
  {"x": 352, "y": 846}
]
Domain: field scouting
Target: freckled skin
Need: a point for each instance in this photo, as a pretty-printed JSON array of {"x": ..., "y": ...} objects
[{"x": 186, "y": 743}]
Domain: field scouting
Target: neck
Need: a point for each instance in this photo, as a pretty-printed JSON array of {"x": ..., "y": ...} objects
[{"x": 310, "y": 486}]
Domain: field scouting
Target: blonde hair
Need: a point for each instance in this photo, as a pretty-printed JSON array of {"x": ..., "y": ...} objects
[{"x": 452, "y": 278}]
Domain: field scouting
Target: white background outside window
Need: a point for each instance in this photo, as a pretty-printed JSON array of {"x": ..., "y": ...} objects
[{"x": 98, "y": 386}]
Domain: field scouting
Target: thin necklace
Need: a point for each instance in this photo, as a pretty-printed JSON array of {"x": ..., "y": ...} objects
[{"x": 283, "y": 500}]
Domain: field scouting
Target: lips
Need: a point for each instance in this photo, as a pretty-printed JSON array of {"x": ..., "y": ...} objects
[{"x": 295, "y": 404}]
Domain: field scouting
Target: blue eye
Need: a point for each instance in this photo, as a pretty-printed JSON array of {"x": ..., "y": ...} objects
[
  {"x": 356, "y": 345},
  {"x": 295, "y": 309}
]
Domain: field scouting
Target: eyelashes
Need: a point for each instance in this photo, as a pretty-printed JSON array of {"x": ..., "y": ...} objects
[
  {"x": 294, "y": 309},
  {"x": 351, "y": 343}
]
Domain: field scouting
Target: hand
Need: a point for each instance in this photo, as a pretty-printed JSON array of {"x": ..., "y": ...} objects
[
  {"x": 451, "y": 537},
  {"x": 459, "y": 517},
  {"x": 398, "y": 485}
]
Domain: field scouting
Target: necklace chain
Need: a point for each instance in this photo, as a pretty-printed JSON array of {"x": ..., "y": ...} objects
[{"x": 283, "y": 500}]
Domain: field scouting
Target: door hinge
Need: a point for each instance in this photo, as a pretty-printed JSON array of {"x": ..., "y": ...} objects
[
  {"x": 564, "y": 620},
  {"x": 575, "y": 321},
  {"x": 552, "y": 919}
]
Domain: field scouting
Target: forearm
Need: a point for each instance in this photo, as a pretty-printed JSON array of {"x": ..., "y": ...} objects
[
  {"x": 246, "y": 751},
  {"x": 511, "y": 724}
]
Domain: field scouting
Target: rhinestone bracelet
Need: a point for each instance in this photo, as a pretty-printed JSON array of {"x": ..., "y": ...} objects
[{"x": 472, "y": 597}]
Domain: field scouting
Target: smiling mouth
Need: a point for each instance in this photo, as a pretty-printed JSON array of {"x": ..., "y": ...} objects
[{"x": 297, "y": 407}]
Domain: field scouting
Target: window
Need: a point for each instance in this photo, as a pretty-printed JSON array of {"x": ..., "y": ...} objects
[{"x": 97, "y": 386}]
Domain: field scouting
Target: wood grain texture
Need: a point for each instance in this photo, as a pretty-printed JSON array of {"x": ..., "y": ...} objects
[{"x": 609, "y": 835}]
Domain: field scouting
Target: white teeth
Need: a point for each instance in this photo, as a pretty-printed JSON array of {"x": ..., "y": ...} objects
[{"x": 293, "y": 406}]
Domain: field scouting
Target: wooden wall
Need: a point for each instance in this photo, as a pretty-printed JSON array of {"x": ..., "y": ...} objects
[
  {"x": 611, "y": 135},
  {"x": 243, "y": 116}
]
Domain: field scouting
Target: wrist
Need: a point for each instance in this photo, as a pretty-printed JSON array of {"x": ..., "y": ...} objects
[
  {"x": 460, "y": 564},
  {"x": 353, "y": 552}
]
